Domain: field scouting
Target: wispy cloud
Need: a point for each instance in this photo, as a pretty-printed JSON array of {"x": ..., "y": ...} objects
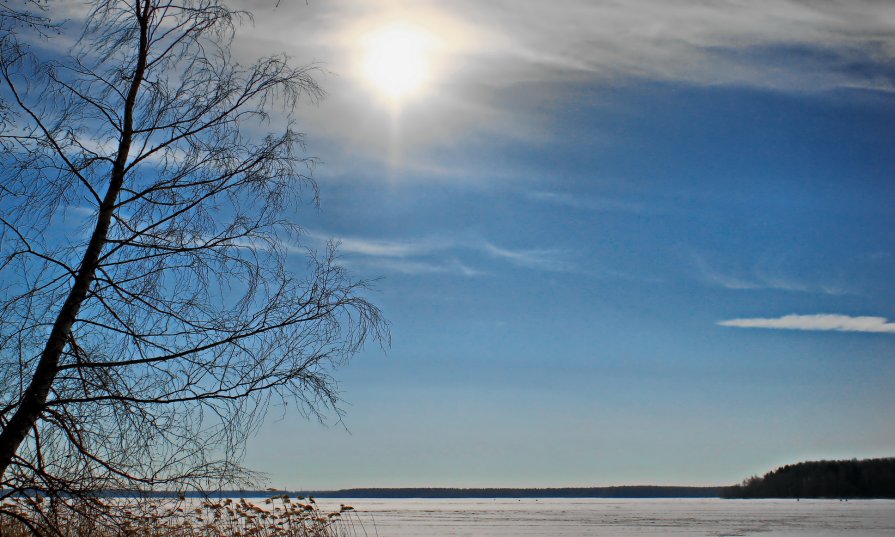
[
  {"x": 817, "y": 322},
  {"x": 390, "y": 248},
  {"x": 434, "y": 255},
  {"x": 418, "y": 267},
  {"x": 488, "y": 47},
  {"x": 597, "y": 204},
  {"x": 695, "y": 40},
  {"x": 542, "y": 259},
  {"x": 767, "y": 282},
  {"x": 763, "y": 274},
  {"x": 819, "y": 44}
]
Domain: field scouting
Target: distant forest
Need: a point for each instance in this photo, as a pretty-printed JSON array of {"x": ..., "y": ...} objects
[
  {"x": 645, "y": 491},
  {"x": 566, "y": 492},
  {"x": 870, "y": 478}
]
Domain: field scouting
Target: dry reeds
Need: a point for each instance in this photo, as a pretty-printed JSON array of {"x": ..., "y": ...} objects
[{"x": 278, "y": 516}]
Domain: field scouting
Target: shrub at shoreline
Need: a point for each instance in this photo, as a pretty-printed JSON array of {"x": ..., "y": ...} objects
[{"x": 278, "y": 516}]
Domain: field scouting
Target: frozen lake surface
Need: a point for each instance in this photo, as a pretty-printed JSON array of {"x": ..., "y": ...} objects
[{"x": 630, "y": 518}]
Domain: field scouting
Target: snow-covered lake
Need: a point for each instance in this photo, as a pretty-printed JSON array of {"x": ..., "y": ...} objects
[{"x": 629, "y": 518}]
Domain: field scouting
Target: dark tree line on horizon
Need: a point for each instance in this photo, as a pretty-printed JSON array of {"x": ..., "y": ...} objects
[
  {"x": 628, "y": 491},
  {"x": 870, "y": 478}
]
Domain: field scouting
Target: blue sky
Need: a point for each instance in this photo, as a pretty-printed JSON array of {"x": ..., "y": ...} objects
[{"x": 617, "y": 244}]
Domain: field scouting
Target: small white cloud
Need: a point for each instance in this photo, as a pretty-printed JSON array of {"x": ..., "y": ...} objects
[{"x": 819, "y": 322}]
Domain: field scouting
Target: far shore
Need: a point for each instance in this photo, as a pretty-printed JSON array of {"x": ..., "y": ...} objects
[{"x": 632, "y": 491}]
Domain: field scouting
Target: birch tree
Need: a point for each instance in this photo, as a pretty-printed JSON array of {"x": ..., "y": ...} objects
[{"x": 151, "y": 305}]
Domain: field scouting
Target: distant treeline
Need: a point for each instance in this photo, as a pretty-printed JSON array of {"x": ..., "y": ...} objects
[
  {"x": 565, "y": 492},
  {"x": 871, "y": 478}
]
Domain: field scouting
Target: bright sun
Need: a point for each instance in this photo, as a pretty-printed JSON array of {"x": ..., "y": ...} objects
[{"x": 397, "y": 60}]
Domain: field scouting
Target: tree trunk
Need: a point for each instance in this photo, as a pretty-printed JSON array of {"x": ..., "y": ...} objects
[{"x": 35, "y": 396}]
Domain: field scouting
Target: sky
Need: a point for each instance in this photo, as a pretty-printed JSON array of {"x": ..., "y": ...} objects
[{"x": 617, "y": 243}]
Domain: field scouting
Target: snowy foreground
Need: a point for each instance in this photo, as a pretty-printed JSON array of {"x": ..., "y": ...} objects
[{"x": 630, "y": 518}]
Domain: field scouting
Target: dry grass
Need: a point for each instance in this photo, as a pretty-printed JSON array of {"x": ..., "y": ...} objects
[{"x": 278, "y": 516}]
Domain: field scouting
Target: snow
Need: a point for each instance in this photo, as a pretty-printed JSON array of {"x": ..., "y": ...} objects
[{"x": 629, "y": 518}]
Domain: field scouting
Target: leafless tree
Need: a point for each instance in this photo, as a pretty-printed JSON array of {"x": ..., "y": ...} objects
[
  {"x": 151, "y": 308},
  {"x": 28, "y": 12}
]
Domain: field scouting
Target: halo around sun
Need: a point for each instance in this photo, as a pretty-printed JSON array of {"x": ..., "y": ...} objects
[{"x": 397, "y": 60}]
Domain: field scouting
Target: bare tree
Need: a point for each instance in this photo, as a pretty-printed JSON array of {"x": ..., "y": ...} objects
[
  {"x": 149, "y": 314},
  {"x": 23, "y": 12}
]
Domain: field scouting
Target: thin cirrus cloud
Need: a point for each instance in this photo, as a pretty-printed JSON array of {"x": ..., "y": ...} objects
[
  {"x": 694, "y": 40},
  {"x": 433, "y": 255},
  {"x": 824, "y": 322},
  {"x": 586, "y": 203},
  {"x": 704, "y": 42},
  {"x": 417, "y": 267},
  {"x": 534, "y": 47},
  {"x": 761, "y": 275},
  {"x": 767, "y": 282},
  {"x": 540, "y": 259}
]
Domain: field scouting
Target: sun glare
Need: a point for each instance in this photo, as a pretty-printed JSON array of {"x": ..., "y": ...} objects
[{"x": 397, "y": 60}]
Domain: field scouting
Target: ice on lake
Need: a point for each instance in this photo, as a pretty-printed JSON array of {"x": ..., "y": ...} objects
[{"x": 624, "y": 517}]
